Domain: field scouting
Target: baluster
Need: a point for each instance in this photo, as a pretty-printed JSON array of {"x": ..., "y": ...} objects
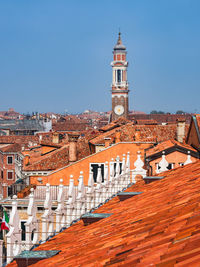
[
  {"x": 31, "y": 225},
  {"x": 47, "y": 217},
  {"x": 80, "y": 197},
  {"x": 117, "y": 175},
  {"x": 98, "y": 188},
  {"x": 123, "y": 174},
  {"x": 90, "y": 192},
  {"x": 71, "y": 202},
  {"x": 111, "y": 184},
  {"x": 13, "y": 237},
  {"x": 60, "y": 211},
  {"x": 128, "y": 180},
  {"x": 105, "y": 183}
]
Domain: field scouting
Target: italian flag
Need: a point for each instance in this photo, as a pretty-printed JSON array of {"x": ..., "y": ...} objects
[{"x": 5, "y": 221}]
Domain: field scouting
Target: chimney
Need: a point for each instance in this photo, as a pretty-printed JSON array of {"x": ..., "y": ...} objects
[
  {"x": 26, "y": 159},
  {"x": 107, "y": 141},
  {"x": 180, "y": 131},
  {"x": 73, "y": 138},
  {"x": 137, "y": 135},
  {"x": 117, "y": 136},
  {"x": 56, "y": 138}
]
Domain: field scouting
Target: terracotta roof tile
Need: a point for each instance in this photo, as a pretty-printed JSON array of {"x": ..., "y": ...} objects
[
  {"x": 21, "y": 139},
  {"x": 158, "y": 227},
  {"x": 167, "y": 144},
  {"x": 11, "y": 148},
  {"x": 56, "y": 159},
  {"x": 142, "y": 133},
  {"x": 146, "y": 122}
]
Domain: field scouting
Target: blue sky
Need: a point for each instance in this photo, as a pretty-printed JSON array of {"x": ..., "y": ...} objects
[{"x": 56, "y": 54}]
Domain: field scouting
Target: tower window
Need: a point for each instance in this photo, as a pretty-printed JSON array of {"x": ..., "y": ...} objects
[{"x": 119, "y": 76}]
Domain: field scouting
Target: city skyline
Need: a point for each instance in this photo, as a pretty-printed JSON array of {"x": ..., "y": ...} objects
[{"x": 56, "y": 56}]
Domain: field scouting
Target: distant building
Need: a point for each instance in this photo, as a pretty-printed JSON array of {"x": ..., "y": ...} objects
[
  {"x": 11, "y": 163},
  {"x": 24, "y": 127}
]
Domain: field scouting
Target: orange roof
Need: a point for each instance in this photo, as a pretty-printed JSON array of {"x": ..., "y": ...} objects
[
  {"x": 158, "y": 227},
  {"x": 114, "y": 124},
  {"x": 51, "y": 161},
  {"x": 11, "y": 148},
  {"x": 142, "y": 133},
  {"x": 56, "y": 158},
  {"x": 21, "y": 139},
  {"x": 167, "y": 144},
  {"x": 146, "y": 122}
]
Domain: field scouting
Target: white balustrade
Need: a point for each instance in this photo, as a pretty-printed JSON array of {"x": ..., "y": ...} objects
[
  {"x": 117, "y": 175},
  {"x": 71, "y": 210},
  {"x": 90, "y": 193},
  {"x": 61, "y": 210},
  {"x": 123, "y": 173},
  {"x": 13, "y": 237},
  {"x": 80, "y": 200},
  {"x": 112, "y": 181},
  {"x": 106, "y": 182},
  {"x": 128, "y": 177},
  {"x": 98, "y": 188},
  {"x": 32, "y": 229},
  {"x": 47, "y": 217}
]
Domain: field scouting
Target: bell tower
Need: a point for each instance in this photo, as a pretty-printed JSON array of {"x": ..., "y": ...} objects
[{"x": 119, "y": 81}]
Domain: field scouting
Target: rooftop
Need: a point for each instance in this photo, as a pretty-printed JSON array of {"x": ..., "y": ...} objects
[
  {"x": 168, "y": 144},
  {"x": 159, "y": 226},
  {"x": 142, "y": 133}
]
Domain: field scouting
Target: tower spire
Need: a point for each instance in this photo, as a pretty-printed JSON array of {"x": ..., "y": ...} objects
[{"x": 119, "y": 41}]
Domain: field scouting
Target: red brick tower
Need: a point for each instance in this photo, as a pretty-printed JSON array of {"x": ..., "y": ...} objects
[{"x": 119, "y": 81}]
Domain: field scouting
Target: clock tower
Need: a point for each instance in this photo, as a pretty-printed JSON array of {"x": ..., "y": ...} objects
[{"x": 119, "y": 81}]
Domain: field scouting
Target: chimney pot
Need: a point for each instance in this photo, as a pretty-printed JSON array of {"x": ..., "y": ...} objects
[
  {"x": 180, "y": 132},
  {"x": 107, "y": 141},
  {"x": 73, "y": 138}
]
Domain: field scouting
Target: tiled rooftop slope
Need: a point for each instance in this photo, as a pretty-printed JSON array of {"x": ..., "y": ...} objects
[{"x": 160, "y": 227}]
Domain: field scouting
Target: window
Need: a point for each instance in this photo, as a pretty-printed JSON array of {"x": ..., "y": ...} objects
[
  {"x": 10, "y": 159},
  {"x": 157, "y": 167},
  {"x": 1, "y": 174},
  {"x": 119, "y": 76},
  {"x": 181, "y": 164},
  {"x": 171, "y": 166},
  {"x": 94, "y": 168},
  {"x": 23, "y": 233},
  {"x": 9, "y": 175},
  {"x": 120, "y": 166}
]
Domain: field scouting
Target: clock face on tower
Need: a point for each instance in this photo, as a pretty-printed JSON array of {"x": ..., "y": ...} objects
[{"x": 119, "y": 110}]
